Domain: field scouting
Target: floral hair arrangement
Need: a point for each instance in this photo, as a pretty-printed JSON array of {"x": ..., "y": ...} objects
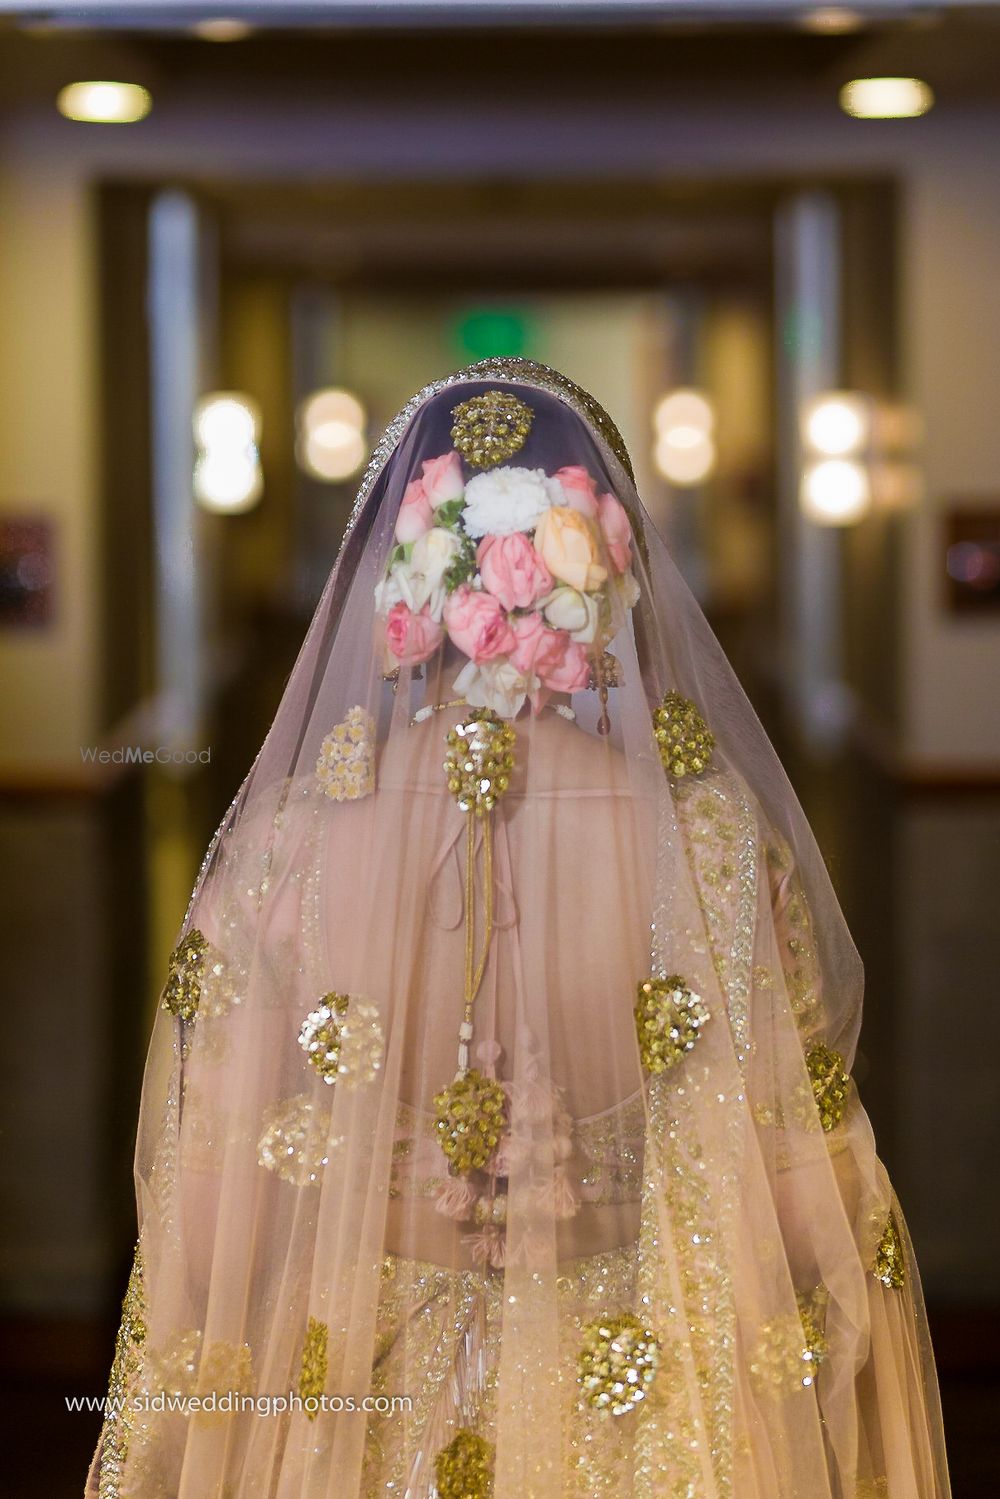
[{"x": 528, "y": 574}]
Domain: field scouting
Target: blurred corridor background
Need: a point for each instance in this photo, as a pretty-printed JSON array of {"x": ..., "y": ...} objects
[{"x": 208, "y": 312}]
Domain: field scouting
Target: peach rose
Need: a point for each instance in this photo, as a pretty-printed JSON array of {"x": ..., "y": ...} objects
[
  {"x": 579, "y": 489},
  {"x": 415, "y": 513},
  {"x": 477, "y": 624},
  {"x": 411, "y": 637},
  {"x": 566, "y": 543},
  {"x": 512, "y": 571},
  {"x": 616, "y": 530},
  {"x": 443, "y": 479}
]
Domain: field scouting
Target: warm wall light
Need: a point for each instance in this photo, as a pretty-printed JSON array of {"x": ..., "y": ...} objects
[
  {"x": 227, "y": 472},
  {"x": 684, "y": 452},
  {"x": 221, "y": 29},
  {"x": 331, "y": 444},
  {"x": 685, "y": 456},
  {"x": 101, "y": 102},
  {"x": 886, "y": 98},
  {"x": 831, "y": 20},
  {"x": 836, "y": 424},
  {"x": 835, "y": 492},
  {"x": 684, "y": 408}
]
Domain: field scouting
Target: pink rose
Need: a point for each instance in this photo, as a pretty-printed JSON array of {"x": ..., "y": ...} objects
[
  {"x": 443, "y": 480},
  {"x": 529, "y": 631},
  {"x": 411, "y": 637},
  {"x": 579, "y": 489},
  {"x": 512, "y": 570},
  {"x": 616, "y": 530},
  {"x": 560, "y": 663},
  {"x": 415, "y": 513},
  {"x": 478, "y": 625}
]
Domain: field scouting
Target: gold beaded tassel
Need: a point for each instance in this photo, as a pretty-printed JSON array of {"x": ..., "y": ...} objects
[
  {"x": 478, "y": 765},
  {"x": 470, "y": 1111}
]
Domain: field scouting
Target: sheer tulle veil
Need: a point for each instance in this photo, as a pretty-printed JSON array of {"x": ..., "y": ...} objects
[{"x": 498, "y": 1134}]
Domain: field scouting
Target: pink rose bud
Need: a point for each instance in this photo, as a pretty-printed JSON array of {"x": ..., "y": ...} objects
[
  {"x": 443, "y": 479},
  {"x": 616, "y": 530},
  {"x": 579, "y": 488},
  {"x": 415, "y": 514}
]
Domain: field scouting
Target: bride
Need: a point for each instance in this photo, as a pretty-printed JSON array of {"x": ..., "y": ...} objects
[{"x": 498, "y": 1134}]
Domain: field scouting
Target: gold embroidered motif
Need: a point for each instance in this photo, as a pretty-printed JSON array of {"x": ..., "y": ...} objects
[
  {"x": 343, "y": 1039},
  {"x": 345, "y": 769},
  {"x": 791, "y": 1349},
  {"x": 479, "y": 761},
  {"x": 182, "y": 992},
  {"x": 125, "y": 1369},
  {"x": 618, "y": 1363},
  {"x": 668, "y": 1020},
  {"x": 225, "y": 1373},
  {"x": 682, "y": 736},
  {"x": 312, "y": 1376},
  {"x": 890, "y": 1259},
  {"x": 831, "y": 1085},
  {"x": 464, "y": 1469},
  {"x": 491, "y": 428},
  {"x": 470, "y": 1120}
]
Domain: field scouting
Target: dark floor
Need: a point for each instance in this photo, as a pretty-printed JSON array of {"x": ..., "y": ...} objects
[{"x": 47, "y": 1448}]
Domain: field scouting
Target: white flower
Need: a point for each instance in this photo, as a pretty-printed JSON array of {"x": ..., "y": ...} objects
[
  {"x": 433, "y": 554},
  {"x": 567, "y": 609},
  {"x": 419, "y": 583},
  {"x": 496, "y": 685},
  {"x": 506, "y": 500},
  {"x": 389, "y": 592}
]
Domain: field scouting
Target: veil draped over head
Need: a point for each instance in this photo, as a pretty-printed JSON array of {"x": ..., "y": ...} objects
[{"x": 498, "y": 1135}]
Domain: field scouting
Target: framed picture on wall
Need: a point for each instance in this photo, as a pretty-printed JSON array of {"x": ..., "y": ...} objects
[
  {"x": 972, "y": 559},
  {"x": 26, "y": 572}
]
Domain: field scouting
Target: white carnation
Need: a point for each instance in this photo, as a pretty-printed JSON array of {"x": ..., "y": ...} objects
[{"x": 506, "y": 500}]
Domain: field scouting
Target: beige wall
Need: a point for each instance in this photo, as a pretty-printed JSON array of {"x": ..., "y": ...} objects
[
  {"x": 949, "y": 305},
  {"x": 47, "y": 455}
]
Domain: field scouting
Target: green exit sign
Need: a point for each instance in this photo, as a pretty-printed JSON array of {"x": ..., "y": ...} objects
[{"x": 493, "y": 333}]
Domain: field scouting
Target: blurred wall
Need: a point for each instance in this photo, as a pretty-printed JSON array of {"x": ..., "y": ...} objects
[{"x": 950, "y": 314}]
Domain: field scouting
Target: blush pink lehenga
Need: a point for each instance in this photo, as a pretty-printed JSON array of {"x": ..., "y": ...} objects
[{"x": 498, "y": 1134}]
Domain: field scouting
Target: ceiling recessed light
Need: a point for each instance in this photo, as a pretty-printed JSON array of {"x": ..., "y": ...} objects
[
  {"x": 886, "y": 98},
  {"x": 831, "y": 20},
  {"x": 101, "y": 102},
  {"x": 221, "y": 29}
]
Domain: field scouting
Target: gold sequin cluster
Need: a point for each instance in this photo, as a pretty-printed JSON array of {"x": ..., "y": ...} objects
[
  {"x": 464, "y": 1469},
  {"x": 312, "y": 1375},
  {"x": 469, "y": 1120},
  {"x": 345, "y": 769},
  {"x": 479, "y": 762},
  {"x": 684, "y": 740},
  {"x": 491, "y": 428},
  {"x": 831, "y": 1085},
  {"x": 790, "y": 1349},
  {"x": 342, "y": 1038},
  {"x": 293, "y": 1143},
  {"x": 617, "y": 1363},
  {"x": 890, "y": 1261},
  {"x": 668, "y": 1021},
  {"x": 186, "y": 964}
]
